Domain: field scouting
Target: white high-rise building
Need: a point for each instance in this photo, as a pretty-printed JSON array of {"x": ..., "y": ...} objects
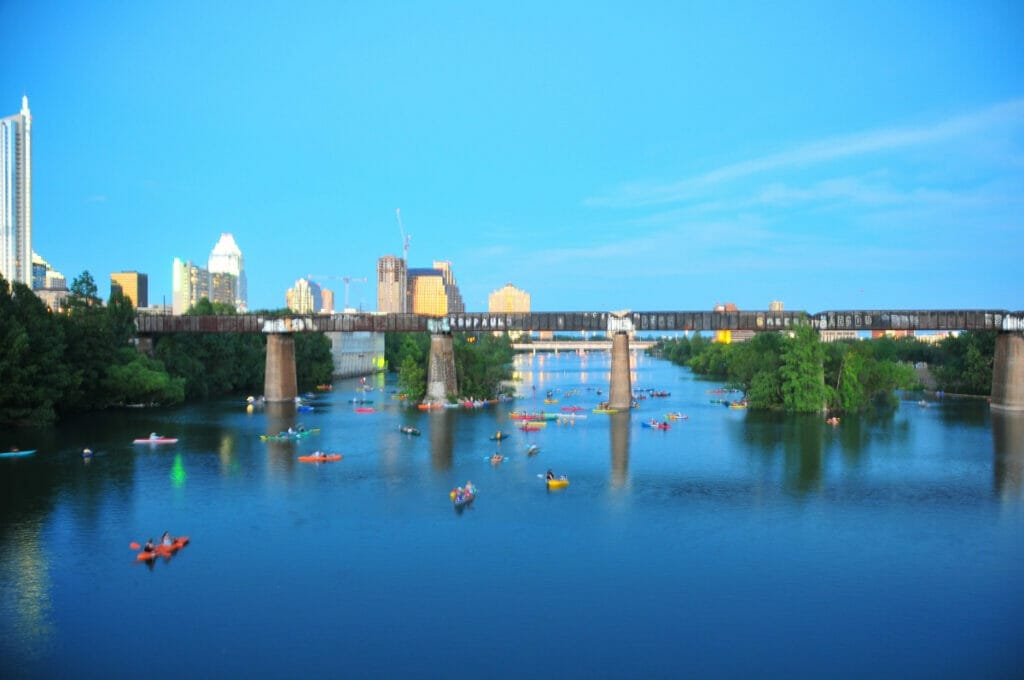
[
  {"x": 16, "y": 196},
  {"x": 226, "y": 258}
]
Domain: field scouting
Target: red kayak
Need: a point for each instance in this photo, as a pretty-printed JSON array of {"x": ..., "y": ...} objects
[
  {"x": 156, "y": 440},
  {"x": 163, "y": 550}
]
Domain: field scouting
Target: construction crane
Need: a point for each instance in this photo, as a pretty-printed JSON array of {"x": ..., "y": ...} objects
[
  {"x": 405, "y": 237},
  {"x": 346, "y": 279}
]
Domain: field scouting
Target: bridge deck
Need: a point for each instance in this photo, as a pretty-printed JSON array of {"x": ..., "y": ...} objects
[{"x": 855, "y": 320}]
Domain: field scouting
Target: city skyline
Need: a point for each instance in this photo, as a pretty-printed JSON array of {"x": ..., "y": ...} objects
[{"x": 661, "y": 158}]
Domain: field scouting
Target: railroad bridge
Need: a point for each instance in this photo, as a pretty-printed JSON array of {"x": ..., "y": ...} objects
[{"x": 280, "y": 382}]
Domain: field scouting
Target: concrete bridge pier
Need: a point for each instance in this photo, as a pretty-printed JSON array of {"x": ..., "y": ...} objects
[
  {"x": 279, "y": 381},
  {"x": 620, "y": 391},
  {"x": 144, "y": 345},
  {"x": 1008, "y": 373},
  {"x": 441, "y": 378}
]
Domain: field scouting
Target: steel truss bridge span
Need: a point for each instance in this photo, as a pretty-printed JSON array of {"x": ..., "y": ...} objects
[{"x": 844, "y": 320}]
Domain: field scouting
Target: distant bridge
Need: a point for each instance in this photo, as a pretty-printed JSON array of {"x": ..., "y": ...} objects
[
  {"x": 576, "y": 345},
  {"x": 280, "y": 381}
]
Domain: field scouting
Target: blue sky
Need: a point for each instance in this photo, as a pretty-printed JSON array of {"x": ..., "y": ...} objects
[{"x": 601, "y": 156}]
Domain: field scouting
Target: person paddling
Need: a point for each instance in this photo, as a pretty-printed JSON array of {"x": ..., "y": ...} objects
[{"x": 166, "y": 539}]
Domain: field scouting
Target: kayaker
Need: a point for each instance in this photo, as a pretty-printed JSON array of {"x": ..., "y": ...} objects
[
  {"x": 550, "y": 475},
  {"x": 154, "y": 435},
  {"x": 166, "y": 539},
  {"x": 149, "y": 547}
]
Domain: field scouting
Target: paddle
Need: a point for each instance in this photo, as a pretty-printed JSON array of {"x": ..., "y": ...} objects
[{"x": 134, "y": 546}]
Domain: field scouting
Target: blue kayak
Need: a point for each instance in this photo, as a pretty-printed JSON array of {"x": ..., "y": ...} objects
[{"x": 16, "y": 454}]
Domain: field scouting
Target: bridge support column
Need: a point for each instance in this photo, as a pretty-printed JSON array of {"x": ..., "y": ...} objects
[
  {"x": 1008, "y": 373},
  {"x": 279, "y": 382},
  {"x": 620, "y": 392},
  {"x": 441, "y": 379},
  {"x": 144, "y": 345}
]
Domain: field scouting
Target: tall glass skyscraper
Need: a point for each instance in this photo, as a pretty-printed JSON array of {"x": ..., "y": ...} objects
[
  {"x": 16, "y": 196},
  {"x": 226, "y": 258}
]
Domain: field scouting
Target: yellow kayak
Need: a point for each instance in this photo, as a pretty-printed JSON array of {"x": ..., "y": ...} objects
[{"x": 558, "y": 483}]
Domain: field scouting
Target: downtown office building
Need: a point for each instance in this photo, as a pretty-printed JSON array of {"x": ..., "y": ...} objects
[{"x": 16, "y": 196}]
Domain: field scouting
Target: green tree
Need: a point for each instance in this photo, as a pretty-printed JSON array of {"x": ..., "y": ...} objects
[
  {"x": 802, "y": 373},
  {"x": 137, "y": 379},
  {"x": 483, "y": 363},
  {"x": 965, "y": 364},
  {"x": 412, "y": 379},
  {"x": 314, "y": 364},
  {"x": 33, "y": 373},
  {"x": 91, "y": 346}
]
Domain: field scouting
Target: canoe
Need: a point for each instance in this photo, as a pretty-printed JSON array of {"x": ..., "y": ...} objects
[
  {"x": 498, "y": 436},
  {"x": 656, "y": 425},
  {"x": 429, "y": 407},
  {"x": 558, "y": 483},
  {"x": 463, "y": 500},
  {"x": 163, "y": 550},
  {"x": 158, "y": 440},
  {"x": 329, "y": 458},
  {"x": 17, "y": 454},
  {"x": 364, "y": 409},
  {"x": 606, "y": 410},
  {"x": 288, "y": 436},
  {"x": 572, "y": 409},
  {"x": 409, "y": 430},
  {"x": 531, "y": 427}
]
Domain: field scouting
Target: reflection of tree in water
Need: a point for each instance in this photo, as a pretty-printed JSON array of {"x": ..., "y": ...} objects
[
  {"x": 442, "y": 444},
  {"x": 803, "y": 444},
  {"x": 961, "y": 411},
  {"x": 804, "y": 438},
  {"x": 800, "y": 436},
  {"x": 856, "y": 431}
]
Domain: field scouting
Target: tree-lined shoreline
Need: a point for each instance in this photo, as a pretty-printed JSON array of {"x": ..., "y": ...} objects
[{"x": 799, "y": 373}]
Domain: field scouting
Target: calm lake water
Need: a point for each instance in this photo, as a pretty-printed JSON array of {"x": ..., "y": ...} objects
[{"x": 735, "y": 544}]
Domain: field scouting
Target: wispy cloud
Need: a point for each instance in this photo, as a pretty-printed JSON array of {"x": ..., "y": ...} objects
[{"x": 836, "y": 148}]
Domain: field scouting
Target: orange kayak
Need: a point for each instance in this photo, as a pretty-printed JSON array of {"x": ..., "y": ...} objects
[
  {"x": 163, "y": 550},
  {"x": 330, "y": 458}
]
